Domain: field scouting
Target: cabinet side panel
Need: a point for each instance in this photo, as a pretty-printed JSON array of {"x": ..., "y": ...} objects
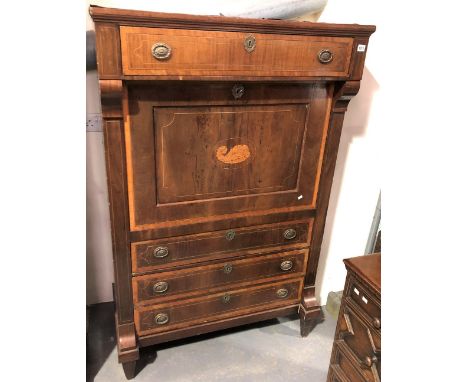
[{"x": 115, "y": 159}]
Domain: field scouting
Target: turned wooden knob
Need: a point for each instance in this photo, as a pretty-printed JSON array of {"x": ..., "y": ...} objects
[
  {"x": 376, "y": 323},
  {"x": 368, "y": 361}
]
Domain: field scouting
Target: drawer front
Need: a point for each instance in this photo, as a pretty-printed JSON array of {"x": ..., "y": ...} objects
[
  {"x": 170, "y": 252},
  {"x": 196, "y": 280},
  {"x": 333, "y": 376},
  {"x": 363, "y": 343},
  {"x": 159, "y": 51},
  {"x": 178, "y": 314},
  {"x": 342, "y": 368},
  {"x": 367, "y": 303}
]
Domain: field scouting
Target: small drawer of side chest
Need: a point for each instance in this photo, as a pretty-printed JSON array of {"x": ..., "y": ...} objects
[
  {"x": 171, "y": 252},
  {"x": 184, "y": 313},
  {"x": 363, "y": 344},
  {"x": 162, "y": 286},
  {"x": 342, "y": 368},
  {"x": 368, "y": 304},
  {"x": 160, "y": 51}
]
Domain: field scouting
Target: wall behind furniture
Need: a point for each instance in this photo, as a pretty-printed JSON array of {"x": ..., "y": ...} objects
[
  {"x": 357, "y": 182},
  {"x": 356, "y": 186}
]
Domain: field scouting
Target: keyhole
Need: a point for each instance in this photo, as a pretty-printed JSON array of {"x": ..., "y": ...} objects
[{"x": 250, "y": 44}]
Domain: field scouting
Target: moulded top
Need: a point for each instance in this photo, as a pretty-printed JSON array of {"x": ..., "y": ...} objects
[
  {"x": 367, "y": 267},
  {"x": 178, "y": 20}
]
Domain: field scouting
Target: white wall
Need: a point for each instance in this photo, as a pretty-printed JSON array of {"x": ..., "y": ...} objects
[{"x": 356, "y": 184}]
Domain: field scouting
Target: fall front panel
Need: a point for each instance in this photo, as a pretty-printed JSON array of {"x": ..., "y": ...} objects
[{"x": 201, "y": 152}]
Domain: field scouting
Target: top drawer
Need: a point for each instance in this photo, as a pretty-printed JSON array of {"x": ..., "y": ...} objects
[{"x": 159, "y": 51}]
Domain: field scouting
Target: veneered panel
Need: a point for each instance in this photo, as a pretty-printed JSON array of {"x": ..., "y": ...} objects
[
  {"x": 195, "y": 150},
  {"x": 222, "y": 53},
  {"x": 218, "y": 151}
]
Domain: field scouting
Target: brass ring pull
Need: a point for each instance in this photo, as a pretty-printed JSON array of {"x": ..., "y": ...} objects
[
  {"x": 325, "y": 56},
  {"x": 376, "y": 323},
  {"x": 161, "y": 319},
  {"x": 161, "y": 51},
  {"x": 226, "y": 298},
  {"x": 289, "y": 234},
  {"x": 160, "y": 287},
  {"x": 286, "y": 265},
  {"x": 282, "y": 293},
  {"x": 160, "y": 252},
  {"x": 230, "y": 234},
  {"x": 238, "y": 91},
  {"x": 227, "y": 268}
]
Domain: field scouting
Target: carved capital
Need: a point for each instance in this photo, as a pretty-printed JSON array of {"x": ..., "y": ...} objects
[
  {"x": 344, "y": 94},
  {"x": 112, "y": 93},
  {"x": 111, "y": 88}
]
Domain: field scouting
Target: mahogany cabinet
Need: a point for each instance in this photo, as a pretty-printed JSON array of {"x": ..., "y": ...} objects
[
  {"x": 357, "y": 347},
  {"x": 221, "y": 136}
]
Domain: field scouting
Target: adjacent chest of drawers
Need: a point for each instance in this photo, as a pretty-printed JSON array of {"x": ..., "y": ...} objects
[
  {"x": 221, "y": 137},
  {"x": 357, "y": 347}
]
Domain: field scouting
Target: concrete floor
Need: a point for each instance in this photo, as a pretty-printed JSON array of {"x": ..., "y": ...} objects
[{"x": 267, "y": 351}]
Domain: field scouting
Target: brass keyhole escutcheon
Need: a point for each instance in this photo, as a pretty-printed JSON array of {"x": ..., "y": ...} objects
[
  {"x": 282, "y": 293},
  {"x": 226, "y": 298},
  {"x": 161, "y": 319},
  {"x": 160, "y": 252},
  {"x": 230, "y": 234},
  {"x": 289, "y": 234},
  {"x": 249, "y": 43},
  {"x": 325, "y": 56},
  {"x": 286, "y": 265},
  {"x": 238, "y": 91},
  {"x": 161, "y": 51},
  {"x": 227, "y": 268},
  {"x": 160, "y": 287}
]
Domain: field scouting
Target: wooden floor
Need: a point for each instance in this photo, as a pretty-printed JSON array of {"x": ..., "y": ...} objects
[{"x": 268, "y": 351}]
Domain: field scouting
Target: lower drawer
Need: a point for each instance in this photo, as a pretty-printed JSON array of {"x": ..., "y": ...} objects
[
  {"x": 178, "y": 314},
  {"x": 159, "y": 254},
  {"x": 336, "y": 374},
  {"x": 156, "y": 288},
  {"x": 362, "y": 341},
  {"x": 342, "y": 368}
]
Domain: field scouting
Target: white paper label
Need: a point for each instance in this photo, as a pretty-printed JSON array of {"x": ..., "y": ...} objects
[
  {"x": 356, "y": 291},
  {"x": 361, "y": 48},
  {"x": 364, "y": 299},
  {"x": 299, "y": 197}
]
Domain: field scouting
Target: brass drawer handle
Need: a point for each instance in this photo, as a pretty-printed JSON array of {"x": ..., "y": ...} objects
[
  {"x": 325, "y": 56},
  {"x": 282, "y": 293},
  {"x": 238, "y": 91},
  {"x": 227, "y": 268},
  {"x": 161, "y": 252},
  {"x": 289, "y": 234},
  {"x": 286, "y": 265},
  {"x": 160, "y": 287},
  {"x": 161, "y": 51},
  {"x": 230, "y": 234},
  {"x": 376, "y": 323},
  {"x": 226, "y": 298},
  {"x": 161, "y": 319}
]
